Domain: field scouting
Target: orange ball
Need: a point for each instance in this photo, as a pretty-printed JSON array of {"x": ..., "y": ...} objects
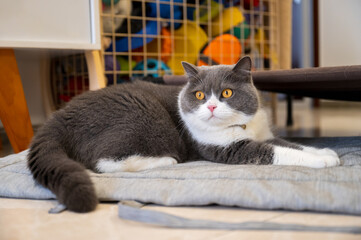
[{"x": 224, "y": 49}]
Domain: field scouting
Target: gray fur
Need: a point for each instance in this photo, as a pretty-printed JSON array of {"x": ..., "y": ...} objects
[
  {"x": 114, "y": 122},
  {"x": 242, "y": 152},
  {"x": 137, "y": 119},
  {"x": 283, "y": 143}
]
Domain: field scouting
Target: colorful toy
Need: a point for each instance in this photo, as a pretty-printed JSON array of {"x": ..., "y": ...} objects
[
  {"x": 135, "y": 24},
  {"x": 242, "y": 31},
  {"x": 260, "y": 38},
  {"x": 249, "y": 3},
  {"x": 190, "y": 9},
  {"x": 121, "y": 45},
  {"x": 255, "y": 16},
  {"x": 263, "y": 46},
  {"x": 122, "y": 8},
  {"x": 124, "y": 63},
  {"x": 138, "y": 58},
  {"x": 165, "y": 45},
  {"x": 229, "y": 18},
  {"x": 111, "y": 65},
  {"x": 165, "y": 10},
  {"x": 151, "y": 28},
  {"x": 189, "y": 40},
  {"x": 203, "y": 11},
  {"x": 229, "y": 3},
  {"x": 224, "y": 49},
  {"x": 152, "y": 67}
]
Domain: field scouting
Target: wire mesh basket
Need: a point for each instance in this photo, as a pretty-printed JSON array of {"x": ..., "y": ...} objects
[
  {"x": 69, "y": 78},
  {"x": 150, "y": 38},
  {"x": 154, "y": 36}
]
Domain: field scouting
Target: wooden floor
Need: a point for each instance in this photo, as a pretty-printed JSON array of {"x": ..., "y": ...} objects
[
  {"x": 331, "y": 119},
  {"x": 28, "y": 219}
]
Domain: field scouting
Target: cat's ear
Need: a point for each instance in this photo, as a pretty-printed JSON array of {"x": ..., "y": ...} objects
[
  {"x": 190, "y": 69},
  {"x": 244, "y": 64}
]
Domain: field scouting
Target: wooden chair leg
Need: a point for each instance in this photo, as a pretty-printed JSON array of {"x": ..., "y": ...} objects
[
  {"x": 95, "y": 70},
  {"x": 14, "y": 112}
]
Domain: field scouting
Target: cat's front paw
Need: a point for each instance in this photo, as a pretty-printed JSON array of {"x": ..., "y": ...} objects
[
  {"x": 328, "y": 151},
  {"x": 327, "y": 160},
  {"x": 321, "y": 151},
  {"x": 308, "y": 157}
]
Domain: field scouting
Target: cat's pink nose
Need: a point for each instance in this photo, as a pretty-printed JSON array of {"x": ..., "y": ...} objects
[{"x": 211, "y": 107}]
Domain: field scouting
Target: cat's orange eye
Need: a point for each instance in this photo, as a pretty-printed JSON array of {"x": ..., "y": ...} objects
[
  {"x": 199, "y": 95},
  {"x": 227, "y": 93}
]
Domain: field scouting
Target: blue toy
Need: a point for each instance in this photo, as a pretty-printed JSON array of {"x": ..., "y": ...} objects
[
  {"x": 228, "y": 3},
  {"x": 165, "y": 11},
  {"x": 151, "y": 28},
  {"x": 121, "y": 44},
  {"x": 152, "y": 66}
]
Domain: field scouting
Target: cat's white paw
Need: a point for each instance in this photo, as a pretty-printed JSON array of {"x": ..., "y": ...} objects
[
  {"x": 328, "y": 151},
  {"x": 320, "y": 151},
  {"x": 324, "y": 161},
  {"x": 312, "y": 157}
]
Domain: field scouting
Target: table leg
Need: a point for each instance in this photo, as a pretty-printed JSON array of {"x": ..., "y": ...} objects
[{"x": 14, "y": 112}]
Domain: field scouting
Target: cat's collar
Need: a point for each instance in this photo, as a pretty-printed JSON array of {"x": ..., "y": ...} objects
[{"x": 244, "y": 126}]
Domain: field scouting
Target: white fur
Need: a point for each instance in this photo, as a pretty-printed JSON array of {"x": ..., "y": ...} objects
[
  {"x": 315, "y": 159},
  {"x": 218, "y": 130},
  {"x": 318, "y": 151},
  {"x": 133, "y": 164}
]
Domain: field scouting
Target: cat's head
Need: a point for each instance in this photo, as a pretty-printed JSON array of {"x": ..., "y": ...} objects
[{"x": 218, "y": 96}]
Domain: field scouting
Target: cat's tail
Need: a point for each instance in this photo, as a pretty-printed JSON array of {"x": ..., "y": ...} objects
[{"x": 67, "y": 179}]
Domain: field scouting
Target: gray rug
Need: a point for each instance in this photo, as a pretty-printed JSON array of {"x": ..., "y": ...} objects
[{"x": 336, "y": 189}]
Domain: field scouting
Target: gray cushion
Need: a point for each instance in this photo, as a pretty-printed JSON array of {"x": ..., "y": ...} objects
[{"x": 336, "y": 189}]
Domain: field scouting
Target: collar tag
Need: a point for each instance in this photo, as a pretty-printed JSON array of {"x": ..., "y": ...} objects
[{"x": 239, "y": 125}]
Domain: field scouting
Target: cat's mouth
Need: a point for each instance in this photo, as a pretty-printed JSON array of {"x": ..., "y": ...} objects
[{"x": 211, "y": 117}]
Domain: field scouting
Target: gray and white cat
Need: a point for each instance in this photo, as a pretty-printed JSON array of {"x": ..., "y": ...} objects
[{"x": 216, "y": 116}]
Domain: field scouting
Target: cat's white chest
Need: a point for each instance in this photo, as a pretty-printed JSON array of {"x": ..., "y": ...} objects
[
  {"x": 219, "y": 137},
  {"x": 257, "y": 129}
]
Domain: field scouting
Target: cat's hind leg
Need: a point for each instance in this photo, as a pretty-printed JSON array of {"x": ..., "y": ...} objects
[{"x": 133, "y": 163}]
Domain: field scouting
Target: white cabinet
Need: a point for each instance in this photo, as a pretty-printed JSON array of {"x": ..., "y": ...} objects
[
  {"x": 42, "y": 28},
  {"x": 51, "y": 24}
]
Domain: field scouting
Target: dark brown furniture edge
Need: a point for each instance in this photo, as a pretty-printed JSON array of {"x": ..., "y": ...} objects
[{"x": 334, "y": 83}]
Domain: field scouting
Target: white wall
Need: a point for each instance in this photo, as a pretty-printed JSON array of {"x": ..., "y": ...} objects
[{"x": 340, "y": 32}]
